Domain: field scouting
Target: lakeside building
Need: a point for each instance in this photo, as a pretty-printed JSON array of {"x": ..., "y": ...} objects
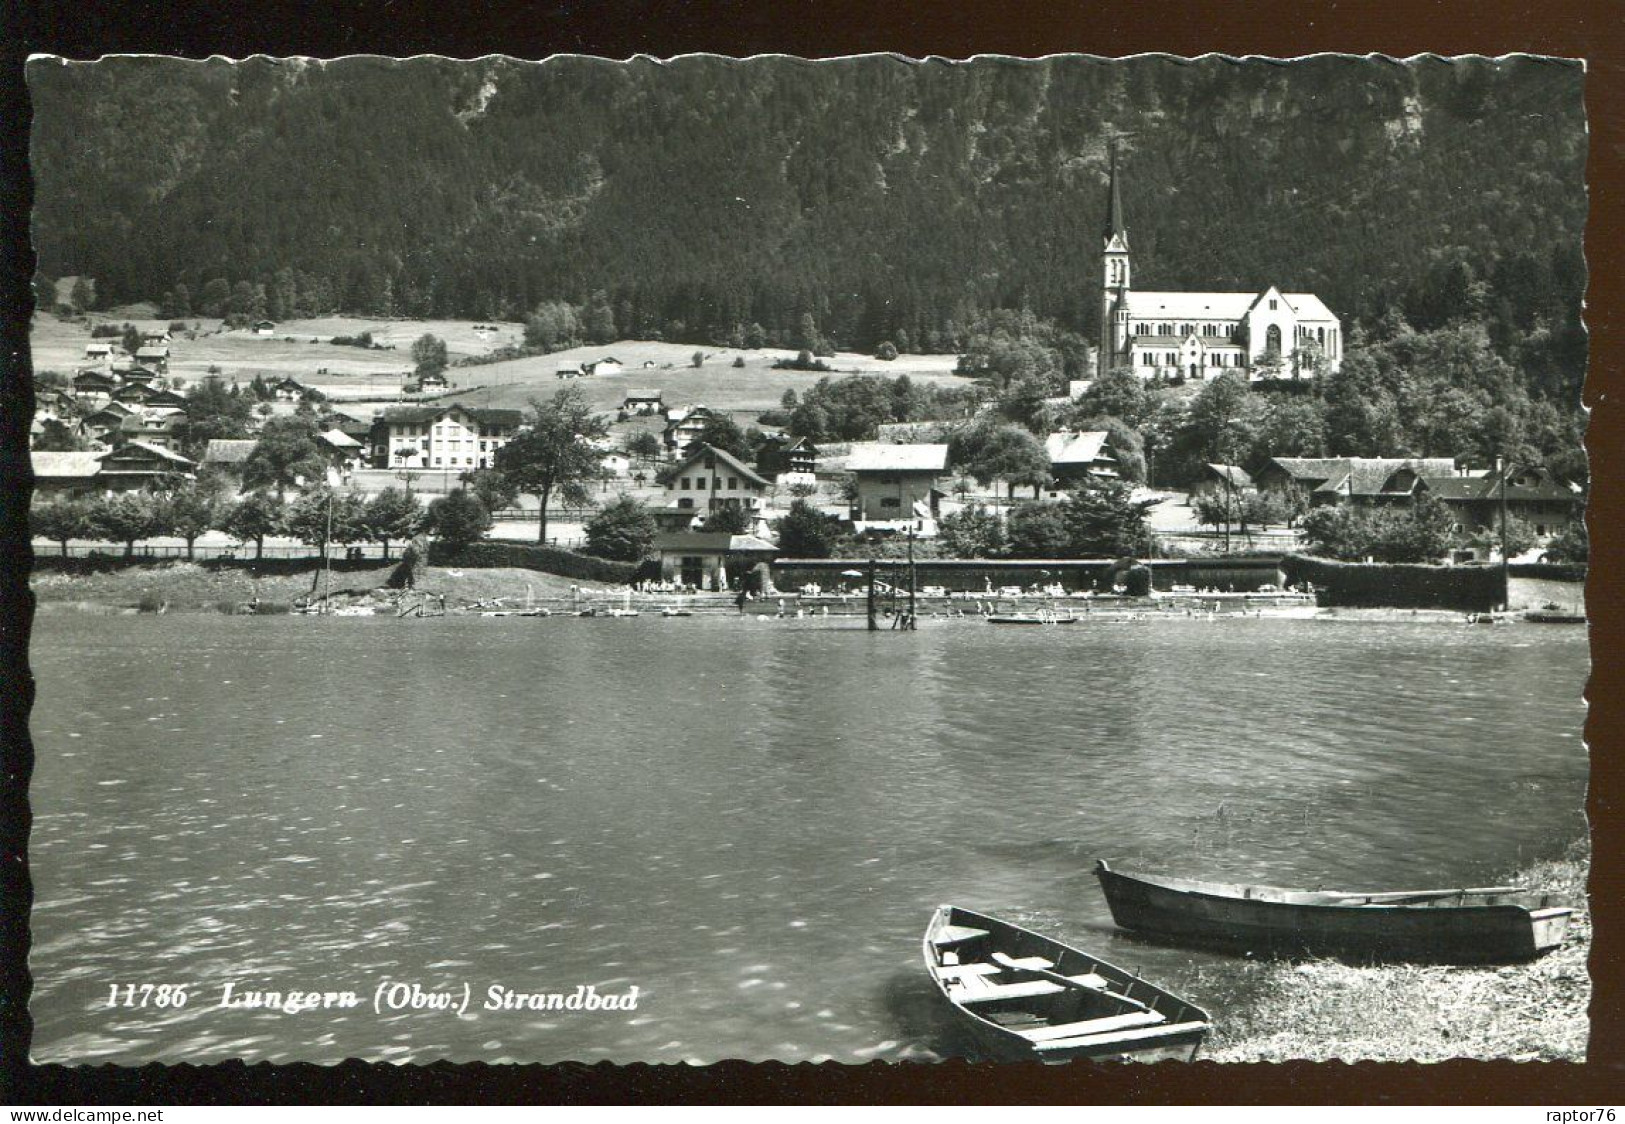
[
  {"x": 1221, "y": 478},
  {"x": 428, "y": 437},
  {"x": 892, "y": 484},
  {"x": 1329, "y": 480},
  {"x": 1074, "y": 457},
  {"x": 1533, "y": 494},
  {"x": 1196, "y": 335},
  {"x": 704, "y": 559}
]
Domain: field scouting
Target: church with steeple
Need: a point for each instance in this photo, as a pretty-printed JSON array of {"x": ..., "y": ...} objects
[{"x": 1168, "y": 335}]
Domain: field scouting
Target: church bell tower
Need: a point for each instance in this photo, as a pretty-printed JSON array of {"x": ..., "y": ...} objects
[{"x": 1114, "y": 278}]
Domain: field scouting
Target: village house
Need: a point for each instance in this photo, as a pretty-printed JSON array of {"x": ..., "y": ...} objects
[
  {"x": 641, "y": 402},
  {"x": 1074, "y": 457},
  {"x": 1534, "y": 495},
  {"x": 890, "y": 480},
  {"x": 1221, "y": 478},
  {"x": 710, "y": 479},
  {"x": 156, "y": 337},
  {"x": 289, "y": 390},
  {"x": 683, "y": 426},
  {"x": 133, "y": 373},
  {"x": 1198, "y": 335},
  {"x": 93, "y": 388},
  {"x": 99, "y": 351},
  {"x": 159, "y": 428},
  {"x": 264, "y": 327},
  {"x": 709, "y": 559},
  {"x": 573, "y": 371},
  {"x": 52, "y": 403},
  {"x": 227, "y": 454},
  {"x": 456, "y": 436},
  {"x": 788, "y": 460},
  {"x": 433, "y": 380},
  {"x": 153, "y": 355},
  {"x": 344, "y": 452},
  {"x": 100, "y": 426},
  {"x": 64, "y": 476},
  {"x": 608, "y": 365},
  {"x": 1327, "y": 480}
]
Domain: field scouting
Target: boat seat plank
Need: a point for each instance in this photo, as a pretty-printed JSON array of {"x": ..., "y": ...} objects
[
  {"x": 1092, "y": 1027},
  {"x": 1026, "y": 989},
  {"x": 956, "y": 934},
  {"x": 1171, "y": 1030},
  {"x": 960, "y": 971},
  {"x": 1023, "y": 961}
]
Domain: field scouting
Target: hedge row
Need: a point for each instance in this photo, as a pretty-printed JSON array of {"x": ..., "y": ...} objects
[
  {"x": 534, "y": 556},
  {"x": 1471, "y": 589},
  {"x": 1552, "y": 571}
]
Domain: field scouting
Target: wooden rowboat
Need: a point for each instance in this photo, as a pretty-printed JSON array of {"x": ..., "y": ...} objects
[
  {"x": 1022, "y": 995},
  {"x": 1483, "y": 925}
]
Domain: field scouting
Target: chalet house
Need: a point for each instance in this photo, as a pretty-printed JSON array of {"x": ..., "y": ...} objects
[
  {"x": 289, "y": 390},
  {"x": 683, "y": 426},
  {"x": 891, "y": 479},
  {"x": 104, "y": 423},
  {"x": 99, "y": 352},
  {"x": 574, "y": 371},
  {"x": 344, "y": 452},
  {"x": 264, "y": 327},
  {"x": 228, "y": 454},
  {"x": 134, "y": 373},
  {"x": 133, "y": 393},
  {"x": 1360, "y": 479},
  {"x": 709, "y": 559},
  {"x": 1076, "y": 456},
  {"x": 1222, "y": 477},
  {"x": 1533, "y": 494},
  {"x": 433, "y": 381},
  {"x": 50, "y": 402},
  {"x": 642, "y": 402},
  {"x": 158, "y": 428},
  {"x": 64, "y": 476},
  {"x": 136, "y": 465},
  {"x": 710, "y": 479},
  {"x": 446, "y": 437},
  {"x": 93, "y": 387},
  {"x": 788, "y": 460},
  {"x": 156, "y": 337},
  {"x": 608, "y": 365},
  {"x": 153, "y": 355}
]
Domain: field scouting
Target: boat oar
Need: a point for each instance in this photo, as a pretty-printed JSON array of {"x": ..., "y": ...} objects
[{"x": 1005, "y": 961}]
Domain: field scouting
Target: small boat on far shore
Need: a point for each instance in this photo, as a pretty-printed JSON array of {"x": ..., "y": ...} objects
[
  {"x": 1457, "y": 926},
  {"x": 1549, "y": 616},
  {"x": 1024, "y": 996}
]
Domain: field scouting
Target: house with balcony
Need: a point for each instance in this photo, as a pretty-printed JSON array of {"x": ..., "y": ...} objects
[
  {"x": 893, "y": 484},
  {"x": 455, "y": 437},
  {"x": 709, "y": 480}
]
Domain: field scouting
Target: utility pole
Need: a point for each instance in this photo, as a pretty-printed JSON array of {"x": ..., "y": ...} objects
[
  {"x": 1506, "y": 579},
  {"x": 872, "y": 625},
  {"x": 913, "y": 617}
]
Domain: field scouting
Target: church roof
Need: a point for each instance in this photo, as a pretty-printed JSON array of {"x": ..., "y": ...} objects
[
  {"x": 1145, "y": 304},
  {"x": 1214, "y": 343},
  {"x": 1114, "y": 208}
]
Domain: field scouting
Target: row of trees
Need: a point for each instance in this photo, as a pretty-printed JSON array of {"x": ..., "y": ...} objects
[{"x": 318, "y": 517}]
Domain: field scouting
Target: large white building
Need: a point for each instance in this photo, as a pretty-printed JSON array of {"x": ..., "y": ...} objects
[{"x": 1165, "y": 335}]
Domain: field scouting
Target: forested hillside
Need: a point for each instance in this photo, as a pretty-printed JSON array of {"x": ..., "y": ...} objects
[{"x": 890, "y": 200}]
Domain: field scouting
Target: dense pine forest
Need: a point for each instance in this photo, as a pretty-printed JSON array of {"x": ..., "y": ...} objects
[{"x": 888, "y": 200}]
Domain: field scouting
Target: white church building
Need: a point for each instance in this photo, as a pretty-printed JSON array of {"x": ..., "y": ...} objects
[{"x": 1166, "y": 335}]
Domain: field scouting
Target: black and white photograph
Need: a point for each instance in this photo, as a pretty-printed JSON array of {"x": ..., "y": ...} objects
[{"x": 869, "y": 559}]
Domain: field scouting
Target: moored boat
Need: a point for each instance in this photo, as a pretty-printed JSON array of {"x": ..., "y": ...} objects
[
  {"x": 1483, "y": 925},
  {"x": 1022, "y": 995},
  {"x": 1551, "y": 616}
]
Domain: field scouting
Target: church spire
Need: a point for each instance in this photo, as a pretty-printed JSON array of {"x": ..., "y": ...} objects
[{"x": 1114, "y": 207}]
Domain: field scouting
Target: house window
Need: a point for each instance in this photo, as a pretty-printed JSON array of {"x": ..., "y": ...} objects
[
  {"x": 685, "y": 483},
  {"x": 685, "y": 502},
  {"x": 699, "y": 483},
  {"x": 890, "y": 501},
  {"x": 1272, "y": 306},
  {"x": 733, "y": 482}
]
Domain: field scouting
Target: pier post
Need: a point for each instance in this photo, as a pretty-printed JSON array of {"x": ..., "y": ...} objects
[{"x": 872, "y": 625}]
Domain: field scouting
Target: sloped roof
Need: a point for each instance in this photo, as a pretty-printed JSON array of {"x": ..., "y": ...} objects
[
  {"x": 1305, "y": 469},
  {"x": 339, "y": 439},
  {"x": 1234, "y": 473},
  {"x": 1213, "y": 343},
  {"x": 152, "y": 351},
  {"x": 674, "y": 541},
  {"x": 1371, "y": 476},
  {"x": 646, "y": 392},
  {"x": 876, "y": 456},
  {"x": 157, "y": 451},
  {"x": 227, "y": 450},
  {"x": 695, "y": 452},
  {"x": 66, "y": 466},
  {"x": 1220, "y": 306},
  {"x": 1077, "y": 448},
  {"x": 413, "y": 415}
]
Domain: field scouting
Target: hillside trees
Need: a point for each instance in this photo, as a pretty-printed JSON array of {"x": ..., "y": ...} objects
[
  {"x": 286, "y": 453},
  {"x": 1008, "y": 453},
  {"x": 393, "y": 516},
  {"x": 622, "y": 530},
  {"x": 59, "y": 521}
]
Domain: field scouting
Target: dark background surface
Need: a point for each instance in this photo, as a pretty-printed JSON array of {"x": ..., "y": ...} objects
[{"x": 1590, "y": 30}]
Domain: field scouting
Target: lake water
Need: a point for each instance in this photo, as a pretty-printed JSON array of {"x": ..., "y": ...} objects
[{"x": 751, "y": 821}]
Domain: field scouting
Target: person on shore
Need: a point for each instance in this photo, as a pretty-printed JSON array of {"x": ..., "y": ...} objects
[{"x": 740, "y": 600}]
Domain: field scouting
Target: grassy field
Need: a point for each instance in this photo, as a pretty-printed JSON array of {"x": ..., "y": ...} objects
[
  {"x": 1326, "y": 1011},
  {"x": 348, "y": 372},
  {"x": 190, "y": 587}
]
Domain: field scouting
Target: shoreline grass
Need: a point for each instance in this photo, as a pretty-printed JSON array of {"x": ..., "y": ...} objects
[{"x": 1322, "y": 1010}]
